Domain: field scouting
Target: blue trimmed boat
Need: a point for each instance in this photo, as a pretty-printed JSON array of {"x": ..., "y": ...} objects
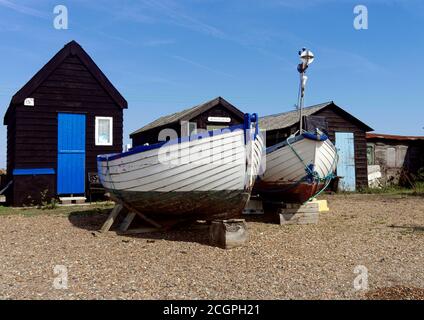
[
  {"x": 298, "y": 168},
  {"x": 205, "y": 176}
]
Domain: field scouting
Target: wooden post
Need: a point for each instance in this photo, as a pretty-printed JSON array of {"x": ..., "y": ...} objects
[
  {"x": 142, "y": 216},
  {"x": 228, "y": 234},
  {"x": 127, "y": 221},
  {"x": 111, "y": 219}
]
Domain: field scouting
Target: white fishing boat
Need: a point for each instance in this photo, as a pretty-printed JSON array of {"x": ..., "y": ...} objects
[
  {"x": 298, "y": 168},
  {"x": 205, "y": 176},
  {"x": 302, "y": 166}
]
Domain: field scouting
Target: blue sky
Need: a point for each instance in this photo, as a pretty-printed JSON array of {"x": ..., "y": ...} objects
[{"x": 166, "y": 55}]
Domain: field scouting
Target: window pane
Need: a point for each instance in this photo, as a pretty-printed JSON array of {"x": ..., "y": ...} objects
[
  {"x": 215, "y": 127},
  {"x": 104, "y": 131},
  {"x": 192, "y": 128}
]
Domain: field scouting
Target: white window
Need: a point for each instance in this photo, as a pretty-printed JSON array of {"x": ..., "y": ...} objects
[
  {"x": 192, "y": 128},
  {"x": 104, "y": 131}
]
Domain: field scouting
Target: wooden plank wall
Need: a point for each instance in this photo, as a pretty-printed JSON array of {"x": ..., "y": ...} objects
[
  {"x": 218, "y": 111},
  {"x": 337, "y": 123},
  {"x": 70, "y": 88},
  {"x": 151, "y": 136}
]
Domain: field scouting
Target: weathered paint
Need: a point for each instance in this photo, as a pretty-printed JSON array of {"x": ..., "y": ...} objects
[
  {"x": 290, "y": 192},
  {"x": 345, "y": 144},
  {"x": 71, "y": 154},
  {"x": 193, "y": 205}
]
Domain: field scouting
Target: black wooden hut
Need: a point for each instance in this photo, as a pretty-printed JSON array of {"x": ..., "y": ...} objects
[
  {"x": 214, "y": 114},
  {"x": 347, "y": 132},
  {"x": 57, "y": 124}
]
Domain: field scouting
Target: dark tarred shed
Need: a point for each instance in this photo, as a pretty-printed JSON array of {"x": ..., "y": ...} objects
[{"x": 70, "y": 83}]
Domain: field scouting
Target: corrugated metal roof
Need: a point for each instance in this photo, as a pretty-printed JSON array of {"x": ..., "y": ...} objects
[
  {"x": 393, "y": 137},
  {"x": 186, "y": 114},
  {"x": 287, "y": 119}
]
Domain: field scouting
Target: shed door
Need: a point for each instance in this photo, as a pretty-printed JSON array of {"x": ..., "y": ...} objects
[
  {"x": 71, "y": 154},
  {"x": 346, "y": 166}
]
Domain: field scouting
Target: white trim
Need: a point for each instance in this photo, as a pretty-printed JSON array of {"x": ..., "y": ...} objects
[
  {"x": 219, "y": 119},
  {"x": 96, "y": 134}
]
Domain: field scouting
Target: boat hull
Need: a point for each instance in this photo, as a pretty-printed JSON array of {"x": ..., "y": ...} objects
[
  {"x": 289, "y": 192},
  {"x": 297, "y": 170},
  {"x": 207, "y": 178},
  {"x": 191, "y": 205}
]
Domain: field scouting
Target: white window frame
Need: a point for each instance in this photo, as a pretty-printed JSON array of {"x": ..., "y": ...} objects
[
  {"x": 96, "y": 137},
  {"x": 194, "y": 130}
]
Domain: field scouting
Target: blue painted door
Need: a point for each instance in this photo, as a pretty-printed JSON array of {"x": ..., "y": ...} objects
[
  {"x": 345, "y": 144},
  {"x": 71, "y": 154}
]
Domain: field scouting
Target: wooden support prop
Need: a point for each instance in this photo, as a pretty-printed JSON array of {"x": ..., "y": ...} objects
[
  {"x": 111, "y": 219},
  {"x": 122, "y": 207},
  {"x": 127, "y": 221},
  {"x": 142, "y": 216},
  {"x": 228, "y": 234}
]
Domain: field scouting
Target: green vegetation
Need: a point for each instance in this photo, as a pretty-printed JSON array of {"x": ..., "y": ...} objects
[
  {"x": 416, "y": 190},
  {"x": 56, "y": 210}
]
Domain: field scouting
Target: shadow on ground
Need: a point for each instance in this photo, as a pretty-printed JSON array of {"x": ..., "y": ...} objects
[
  {"x": 409, "y": 228},
  {"x": 92, "y": 220}
]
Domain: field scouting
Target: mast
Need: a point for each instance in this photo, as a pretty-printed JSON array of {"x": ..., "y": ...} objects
[{"x": 307, "y": 57}]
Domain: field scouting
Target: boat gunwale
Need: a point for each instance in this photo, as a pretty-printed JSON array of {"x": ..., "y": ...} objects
[
  {"x": 140, "y": 149},
  {"x": 304, "y": 135}
]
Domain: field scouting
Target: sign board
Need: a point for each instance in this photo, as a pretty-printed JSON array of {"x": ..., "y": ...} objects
[
  {"x": 29, "y": 102},
  {"x": 219, "y": 119}
]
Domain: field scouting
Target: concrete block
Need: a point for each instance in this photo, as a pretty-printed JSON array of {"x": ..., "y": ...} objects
[{"x": 228, "y": 234}]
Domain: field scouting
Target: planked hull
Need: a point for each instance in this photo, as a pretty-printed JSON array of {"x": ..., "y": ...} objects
[
  {"x": 193, "y": 205},
  {"x": 206, "y": 178},
  {"x": 298, "y": 169}
]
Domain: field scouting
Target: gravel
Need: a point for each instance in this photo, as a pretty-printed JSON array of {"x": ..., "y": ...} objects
[{"x": 385, "y": 234}]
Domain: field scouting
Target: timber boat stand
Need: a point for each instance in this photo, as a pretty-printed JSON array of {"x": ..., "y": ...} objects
[
  {"x": 122, "y": 208},
  {"x": 226, "y": 234},
  {"x": 293, "y": 213}
]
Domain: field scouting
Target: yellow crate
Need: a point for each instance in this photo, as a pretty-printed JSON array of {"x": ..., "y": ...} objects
[{"x": 322, "y": 204}]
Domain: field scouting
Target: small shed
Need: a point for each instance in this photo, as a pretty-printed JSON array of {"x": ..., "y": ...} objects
[
  {"x": 57, "y": 124},
  {"x": 394, "y": 155},
  {"x": 345, "y": 130},
  {"x": 214, "y": 114}
]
